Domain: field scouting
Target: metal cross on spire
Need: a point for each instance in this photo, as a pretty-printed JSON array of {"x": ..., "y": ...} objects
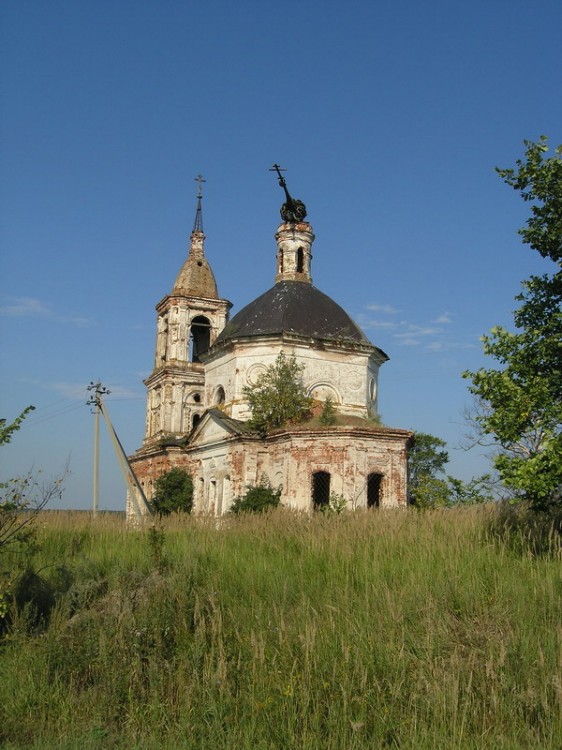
[
  {"x": 293, "y": 210},
  {"x": 200, "y": 180},
  {"x": 198, "y": 224}
]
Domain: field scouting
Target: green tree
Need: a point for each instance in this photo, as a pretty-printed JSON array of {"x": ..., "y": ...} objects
[
  {"x": 430, "y": 492},
  {"x": 426, "y": 461},
  {"x": 428, "y": 484},
  {"x": 520, "y": 402},
  {"x": 278, "y": 396},
  {"x": 478, "y": 490},
  {"x": 426, "y": 457},
  {"x": 257, "y": 498},
  {"x": 173, "y": 492}
]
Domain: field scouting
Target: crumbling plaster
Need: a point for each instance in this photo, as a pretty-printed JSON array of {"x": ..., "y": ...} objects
[{"x": 350, "y": 371}]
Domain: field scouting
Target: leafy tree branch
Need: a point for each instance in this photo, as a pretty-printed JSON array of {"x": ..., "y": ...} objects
[{"x": 521, "y": 399}]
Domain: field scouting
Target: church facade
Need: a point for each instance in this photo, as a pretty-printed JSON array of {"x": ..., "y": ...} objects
[{"x": 197, "y": 415}]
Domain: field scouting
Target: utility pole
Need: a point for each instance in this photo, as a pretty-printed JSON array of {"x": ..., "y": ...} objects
[
  {"x": 95, "y": 400},
  {"x": 136, "y": 498}
]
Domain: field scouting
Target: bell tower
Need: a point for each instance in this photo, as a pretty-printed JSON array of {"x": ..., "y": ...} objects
[{"x": 189, "y": 320}]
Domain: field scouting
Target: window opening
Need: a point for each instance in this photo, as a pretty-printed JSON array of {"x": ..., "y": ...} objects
[
  {"x": 196, "y": 419},
  {"x": 320, "y": 489},
  {"x": 300, "y": 260},
  {"x": 220, "y": 396},
  {"x": 374, "y": 490}
]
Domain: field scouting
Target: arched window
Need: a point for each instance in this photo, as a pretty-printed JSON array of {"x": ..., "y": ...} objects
[
  {"x": 374, "y": 490},
  {"x": 195, "y": 421},
  {"x": 300, "y": 260},
  {"x": 320, "y": 489},
  {"x": 220, "y": 396},
  {"x": 199, "y": 337}
]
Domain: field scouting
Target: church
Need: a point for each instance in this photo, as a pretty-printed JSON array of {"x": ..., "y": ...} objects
[{"x": 197, "y": 414}]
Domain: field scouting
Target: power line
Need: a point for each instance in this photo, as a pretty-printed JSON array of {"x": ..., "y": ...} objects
[
  {"x": 67, "y": 404},
  {"x": 79, "y": 394},
  {"x": 55, "y": 415}
]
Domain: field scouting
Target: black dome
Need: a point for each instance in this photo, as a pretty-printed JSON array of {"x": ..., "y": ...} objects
[{"x": 294, "y": 307}]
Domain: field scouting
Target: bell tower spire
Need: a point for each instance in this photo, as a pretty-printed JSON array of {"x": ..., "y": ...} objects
[
  {"x": 196, "y": 277},
  {"x": 198, "y": 223},
  {"x": 189, "y": 321}
]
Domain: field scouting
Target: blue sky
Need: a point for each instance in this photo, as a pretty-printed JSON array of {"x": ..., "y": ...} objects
[{"x": 389, "y": 118}]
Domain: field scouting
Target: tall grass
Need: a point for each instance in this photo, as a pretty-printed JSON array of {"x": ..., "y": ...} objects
[{"x": 364, "y": 630}]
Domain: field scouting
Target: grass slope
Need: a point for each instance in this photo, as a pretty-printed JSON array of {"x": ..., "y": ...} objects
[{"x": 366, "y": 630}]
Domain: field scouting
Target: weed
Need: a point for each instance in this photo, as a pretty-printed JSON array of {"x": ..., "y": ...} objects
[{"x": 156, "y": 546}]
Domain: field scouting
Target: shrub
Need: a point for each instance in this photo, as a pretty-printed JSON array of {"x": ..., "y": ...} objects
[
  {"x": 21, "y": 500},
  {"x": 336, "y": 505},
  {"x": 521, "y": 528},
  {"x": 173, "y": 492},
  {"x": 328, "y": 413},
  {"x": 257, "y": 498},
  {"x": 278, "y": 396}
]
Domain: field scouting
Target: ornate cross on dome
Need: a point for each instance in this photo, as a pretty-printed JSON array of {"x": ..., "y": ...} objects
[{"x": 293, "y": 210}]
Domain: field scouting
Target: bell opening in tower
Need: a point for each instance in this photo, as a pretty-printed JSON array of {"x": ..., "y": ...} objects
[{"x": 199, "y": 337}]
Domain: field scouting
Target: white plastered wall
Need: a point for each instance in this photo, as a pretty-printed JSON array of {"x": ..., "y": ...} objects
[{"x": 351, "y": 375}]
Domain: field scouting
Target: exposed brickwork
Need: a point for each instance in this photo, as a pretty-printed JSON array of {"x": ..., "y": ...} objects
[{"x": 348, "y": 455}]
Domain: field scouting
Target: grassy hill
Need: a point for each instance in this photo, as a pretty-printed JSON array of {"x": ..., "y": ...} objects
[{"x": 366, "y": 630}]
